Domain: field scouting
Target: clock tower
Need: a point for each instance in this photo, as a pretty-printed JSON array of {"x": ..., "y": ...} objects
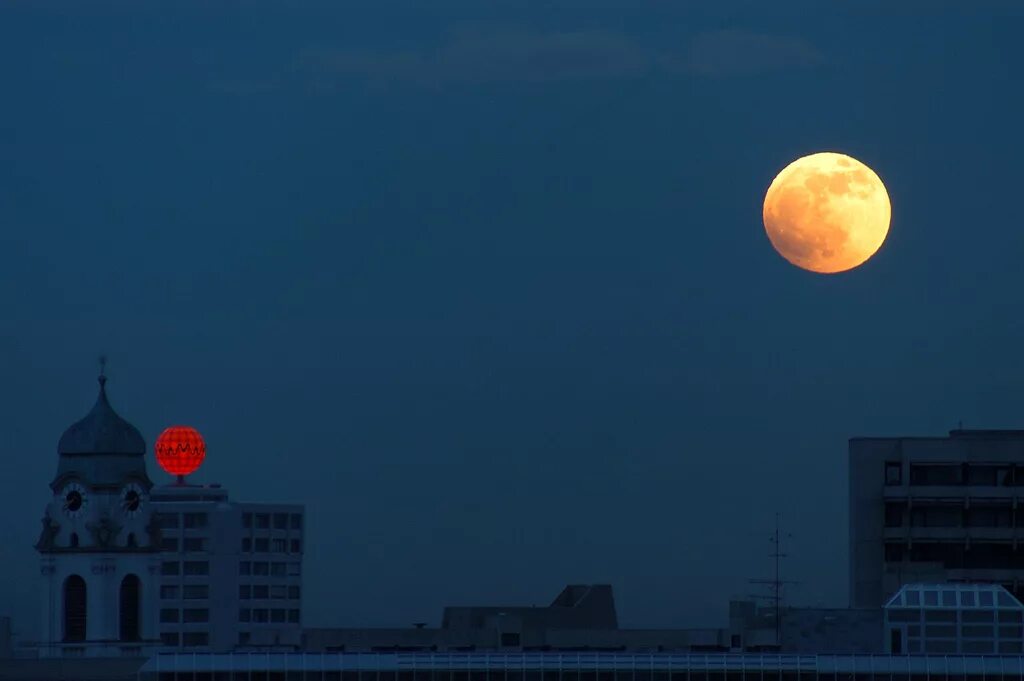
[{"x": 99, "y": 545}]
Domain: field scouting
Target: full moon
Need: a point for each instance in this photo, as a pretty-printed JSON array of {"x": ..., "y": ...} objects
[{"x": 827, "y": 213}]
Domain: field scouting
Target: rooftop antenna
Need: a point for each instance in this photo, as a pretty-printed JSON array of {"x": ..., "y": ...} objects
[{"x": 775, "y": 586}]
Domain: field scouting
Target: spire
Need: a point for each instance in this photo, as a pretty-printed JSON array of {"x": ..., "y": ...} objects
[{"x": 103, "y": 374}]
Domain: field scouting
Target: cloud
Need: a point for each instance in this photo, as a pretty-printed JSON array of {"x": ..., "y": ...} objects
[{"x": 737, "y": 52}]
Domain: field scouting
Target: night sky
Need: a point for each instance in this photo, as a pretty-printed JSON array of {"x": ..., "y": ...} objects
[{"x": 485, "y": 285}]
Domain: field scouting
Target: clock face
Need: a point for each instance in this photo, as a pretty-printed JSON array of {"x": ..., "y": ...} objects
[
  {"x": 73, "y": 499},
  {"x": 132, "y": 497}
]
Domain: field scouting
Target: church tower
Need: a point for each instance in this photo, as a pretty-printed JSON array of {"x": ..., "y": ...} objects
[{"x": 99, "y": 546}]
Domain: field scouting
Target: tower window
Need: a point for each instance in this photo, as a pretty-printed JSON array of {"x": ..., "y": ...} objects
[
  {"x": 75, "y": 603},
  {"x": 130, "y": 542},
  {"x": 129, "y": 620},
  {"x": 73, "y": 542}
]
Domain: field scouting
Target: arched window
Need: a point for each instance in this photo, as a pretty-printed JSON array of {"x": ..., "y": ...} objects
[
  {"x": 74, "y": 609},
  {"x": 130, "y": 608},
  {"x": 73, "y": 543},
  {"x": 130, "y": 543}
]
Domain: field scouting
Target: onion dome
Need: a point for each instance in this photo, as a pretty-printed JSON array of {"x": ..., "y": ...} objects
[{"x": 102, "y": 431}]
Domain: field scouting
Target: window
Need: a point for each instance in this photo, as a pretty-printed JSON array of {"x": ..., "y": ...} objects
[
  {"x": 168, "y": 591},
  {"x": 296, "y": 546},
  {"x": 511, "y": 638},
  {"x": 293, "y": 591},
  {"x": 246, "y": 544},
  {"x": 195, "y": 520},
  {"x": 985, "y": 597},
  {"x": 259, "y": 615},
  {"x": 893, "y": 473},
  {"x": 168, "y": 543},
  {"x": 936, "y": 515},
  {"x": 167, "y": 521},
  {"x": 932, "y": 474},
  {"x": 192, "y": 615},
  {"x": 989, "y": 515},
  {"x": 197, "y": 567},
  {"x": 262, "y": 545},
  {"x": 280, "y": 545},
  {"x": 260, "y": 591},
  {"x": 278, "y": 591},
  {"x": 293, "y": 616},
  {"x": 967, "y": 599},
  {"x": 990, "y": 475},
  {"x": 894, "y": 514},
  {"x": 245, "y": 568},
  {"x": 128, "y": 624},
  {"x": 168, "y": 615},
  {"x": 244, "y": 615},
  {"x": 170, "y": 568},
  {"x": 195, "y": 638},
  {"x": 73, "y": 541},
  {"x": 75, "y": 613},
  {"x": 893, "y": 552},
  {"x": 262, "y": 569},
  {"x": 277, "y": 615},
  {"x": 277, "y": 570},
  {"x": 280, "y": 521},
  {"x": 196, "y": 591},
  {"x": 949, "y": 598},
  {"x": 194, "y": 543},
  {"x": 294, "y": 569},
  {"x": 296, "y": 521},
  {"x": 263, "y": 521},
  {"x": 244, "y": 592},
  {"x": 247, "y": 520},
  {"x": 169, "y": 638}
]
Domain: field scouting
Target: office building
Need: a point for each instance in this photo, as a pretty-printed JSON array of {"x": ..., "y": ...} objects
[{"x": 935, "y": 510}]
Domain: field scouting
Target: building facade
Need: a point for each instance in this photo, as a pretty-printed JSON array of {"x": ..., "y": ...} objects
[
  {"x": 230, "y": 573},
  {"x": 935, "y": 510}
]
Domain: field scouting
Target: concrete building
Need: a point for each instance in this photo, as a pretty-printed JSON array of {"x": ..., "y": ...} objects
[
  {"x": 935, "y": 510},
  {"x": 230, "y": 573},
  {"x": 98, "y": 545}
]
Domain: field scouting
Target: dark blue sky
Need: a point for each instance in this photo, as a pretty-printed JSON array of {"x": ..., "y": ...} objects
[{"x": 485, "y": 285}]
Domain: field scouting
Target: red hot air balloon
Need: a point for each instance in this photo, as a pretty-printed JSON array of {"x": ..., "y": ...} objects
[{"x": 180, "y": 450}]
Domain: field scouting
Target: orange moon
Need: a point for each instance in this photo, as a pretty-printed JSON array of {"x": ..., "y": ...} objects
[{"x": 827, "y": 213}]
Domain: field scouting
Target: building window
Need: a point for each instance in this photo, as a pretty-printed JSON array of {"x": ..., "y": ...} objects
[
  {"x": 259, "y": 615},
  {"x": 194, "y": 544},
  {"x": 197, "y": 567},
  {"x": 277, "y": 570},
  {"x": 170, "y": 567},
  {"x": 247, "y": 520},
  {"x": 293, "y": 591},
  {"x": 893, "y": 553},
  {"x": 280, "y": 546},
  {"x": 168, "y": 591},
  {"x": 246, "y": 544},
  {"x": 168, "y": 615},
  {"x": 75, "y": 614},
  {"x": 167, "y": 521},
  {"x": 278, "y": 591},
  {"x": 294, "y": 569},
  {"x": 894, "y": 514},
  {"x": 262, "y": 569},
  {"x": 509, "y": 639},
  {"x": 893, "y": 473},
  {"x": 193, "y": 615},
  {"x": 296, "y": 546},
  {"x": 277, "y": 615},
  {"x": 245, "y": 568},
  {"x": 244, "y": 615},
  {"x": 195, "y": 638},
  {"x": 936, "y": 474},
  {"x": 196, "y": 591},
  {"x": 129, "y": 608},
  {"x": 73, "y": 541},
  {"x": 260, "y": 591},
  {"x": 262, "y": 545},
  {"x": 195, "y": 520},
  {"x": 296, "y": 519},
  {"x": 169, "y": 638},
  {"x": 244, "y": 592},
  {"x": 293, "y": 616},
  {"x": 169, "y": 544},
  {"x": 280, "y": 521},
  {"x": 263, "y": 521}
]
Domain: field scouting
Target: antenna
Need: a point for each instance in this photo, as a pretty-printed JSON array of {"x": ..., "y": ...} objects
[{"x": 776, "y": 585}]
